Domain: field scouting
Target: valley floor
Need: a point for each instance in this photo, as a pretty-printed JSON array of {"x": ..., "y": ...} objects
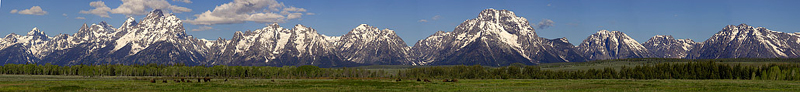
[{"x": 78, "y": 83}]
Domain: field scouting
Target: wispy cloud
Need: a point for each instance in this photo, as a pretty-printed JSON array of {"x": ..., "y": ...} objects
[
  {"x": 184, "y": 1},
  {"x": 240, "y": 11},
  {"x": 35, "y": 10},
  {"x": 545, "y": 23},
  {"x": 203, "y": 28},
  {"x": 80, "y": 17},
  {"x": 437, "y": 17}
]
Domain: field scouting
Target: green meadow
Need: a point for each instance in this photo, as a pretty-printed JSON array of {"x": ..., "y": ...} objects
[{"x": 78, "y": 83}]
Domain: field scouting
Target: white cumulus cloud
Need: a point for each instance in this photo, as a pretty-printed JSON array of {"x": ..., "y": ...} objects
[
  {"x": 422, "y": 20},
  {"x": 100, "y": 9},
  {"x": 133, "y": 7},
  {"x": 142, "y": 7},
  {"x": 35, "y": 10},
  {"x": 240, "y": 11}
]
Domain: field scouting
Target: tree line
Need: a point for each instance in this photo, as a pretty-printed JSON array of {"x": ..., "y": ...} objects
[
  {"x": 286, "y": 72},
  {"x": 688, "y": 70},
  {"x": 684, "y": 70}
]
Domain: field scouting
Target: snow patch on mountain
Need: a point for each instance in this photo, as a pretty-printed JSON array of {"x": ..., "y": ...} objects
[{"x": 611, "y": 45}]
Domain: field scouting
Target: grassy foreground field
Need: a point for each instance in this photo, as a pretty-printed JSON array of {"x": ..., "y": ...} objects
[{"x": 77, "y": 83}]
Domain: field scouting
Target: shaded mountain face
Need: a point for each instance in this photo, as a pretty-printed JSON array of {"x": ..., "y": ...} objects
[
  {"x": 665, "y": 46},
  {"x": 494, "y": 38},
  {"x": 17, "y": 54},
  {"x": 611, "y": 45},
  {"x": 744, "y": 41}
]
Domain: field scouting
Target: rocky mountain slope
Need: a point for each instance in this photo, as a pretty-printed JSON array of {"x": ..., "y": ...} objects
[
  {"x": 744, "y": 41},
  {"x": 494, "y": 38},
  {"x": 611, "y": 45},
  {"x": 665, "y": 46}
]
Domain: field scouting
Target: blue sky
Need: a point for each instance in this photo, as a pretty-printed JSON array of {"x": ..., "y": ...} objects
[{"x": 574, "y": 19}]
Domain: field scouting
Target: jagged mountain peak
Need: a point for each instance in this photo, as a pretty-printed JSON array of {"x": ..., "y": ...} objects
[
  {"x": 11, "y": 35},
  {"x": 365, "y": 29},
  {"x": 370, "y": 45},
  {"x": 439, "y": 32},
  {"x": 666, "y": 46},
  {"x": 238, "y": 35},
  {"x": 686, "y": 40},
  {"x": 362, "y": 27},
  {"x": 103, "y": 27},
  {"x": 84, "y": 27},
  {"x": 155, "y": 13},
  {"x": 491, "y": 21},
  {"x": 130, "y": 22},
  {"x": 494, "y": 15},
  {"x": 612, "y": 35},
  {"x": 562, "y": 39},
  {"x": 611, "y": 45},
  {"x": 668, "y": 37},
  {"x": 743, "y": 24},
  {"x": 300, "y": 27},
  {"x": 35, "y": 32},
  {"x": 745, "y": 41},
  {"x": 660, "y": 37},
  {"x": 606, "y": 32},
  {"x": 157, "y": 16},
  {"x": 103, "y": 23},
  {"x": 157, "y": 22}
]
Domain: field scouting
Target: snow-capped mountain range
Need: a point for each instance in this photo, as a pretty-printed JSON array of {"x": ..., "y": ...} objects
[
  {"x": 496, "y": 38},
  {"x": 611, "y": 45},
  {"x": 493, "y": 38},
  {"x": 665, "y": 46},
  {"x": 744, "y": 41}
]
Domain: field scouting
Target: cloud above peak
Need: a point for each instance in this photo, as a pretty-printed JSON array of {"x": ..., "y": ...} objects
[
  {"x": 240, "y": 11},
  {"x": 133, "y": 7},
  {"x": 100, "y": 9},
  {"x": 35, "y": 10},
  {"x": 545, "y": 23}
]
